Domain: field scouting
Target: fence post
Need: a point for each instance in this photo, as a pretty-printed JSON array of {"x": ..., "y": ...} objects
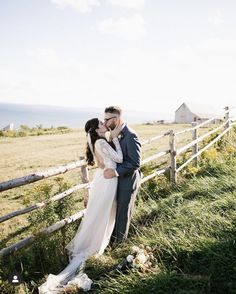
[
  {"x": 227, "y": 116},
  {"x": 195, "y": 146},
  {"x": 173, "y": 174},
  {"x": 85, "y": 179}
]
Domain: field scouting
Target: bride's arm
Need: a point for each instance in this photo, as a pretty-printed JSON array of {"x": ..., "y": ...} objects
[{"x": 115, "y": 155}]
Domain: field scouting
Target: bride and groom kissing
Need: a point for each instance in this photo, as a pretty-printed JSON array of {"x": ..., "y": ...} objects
[{"x": 116, "y": 150}]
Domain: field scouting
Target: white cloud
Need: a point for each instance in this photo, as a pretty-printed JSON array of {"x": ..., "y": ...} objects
[
  {"x": 134, "y": 4},
  {"x": 128, "y": 28},
  {"x": 216, "y": 19},
  {"x": 45, "y": 56},
  {"x": 79, "y": 5}
]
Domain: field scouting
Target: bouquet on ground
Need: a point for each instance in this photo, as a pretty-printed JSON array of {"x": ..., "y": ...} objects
[{"x": 140, "y": 258}]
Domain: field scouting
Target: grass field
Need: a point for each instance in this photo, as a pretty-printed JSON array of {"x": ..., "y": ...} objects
[
  {"x": 25, "y": 155},
  {"x": 187, "y": 226}
]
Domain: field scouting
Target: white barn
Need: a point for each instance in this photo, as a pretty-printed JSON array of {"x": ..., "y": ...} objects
[{"x": 188, "y": 112}]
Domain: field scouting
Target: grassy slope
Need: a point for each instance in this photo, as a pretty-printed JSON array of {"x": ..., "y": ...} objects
[
  {"x": 22, "y": 156},
  {"x": 191, "y": 229}
]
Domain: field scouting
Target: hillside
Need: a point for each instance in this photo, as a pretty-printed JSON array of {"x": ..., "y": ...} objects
[{"x": 190, "y": 229}]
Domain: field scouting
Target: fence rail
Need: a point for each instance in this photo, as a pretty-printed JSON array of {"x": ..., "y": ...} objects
[
  {"x": 40, "y": 175},
  {"x": 199, "y": 125},
  {"x": 202, "y": 150},
  {"x": 148, "y": 141},
  {"x": 173, "y": 152},
  {"x": 199, "y": 139},
  {"x": 155, "y": 156},
  {"x": 55, "y": 227},
  {"x": 44, "y": 203}
]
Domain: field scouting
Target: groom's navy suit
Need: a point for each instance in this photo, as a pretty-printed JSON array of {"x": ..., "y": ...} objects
[{"x": 128, "y": 182}]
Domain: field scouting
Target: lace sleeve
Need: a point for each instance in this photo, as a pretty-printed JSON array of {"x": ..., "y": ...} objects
[{"x": 106, "y": 149}]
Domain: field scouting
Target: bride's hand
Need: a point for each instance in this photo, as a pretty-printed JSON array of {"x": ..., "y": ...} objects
[{"x": 115, "y": 133}]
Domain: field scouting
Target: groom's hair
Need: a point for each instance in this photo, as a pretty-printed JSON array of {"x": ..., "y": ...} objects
[{"x": 113, "y": 109}]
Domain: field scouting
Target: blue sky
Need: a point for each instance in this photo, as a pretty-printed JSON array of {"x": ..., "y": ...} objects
[{"x": 139, "y": 54}]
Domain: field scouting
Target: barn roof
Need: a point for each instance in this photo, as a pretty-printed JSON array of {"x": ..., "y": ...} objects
[{"x": 201, "y": 110}]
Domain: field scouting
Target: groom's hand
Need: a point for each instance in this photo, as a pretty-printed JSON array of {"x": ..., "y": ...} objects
[{"x": 109, "y": 173}]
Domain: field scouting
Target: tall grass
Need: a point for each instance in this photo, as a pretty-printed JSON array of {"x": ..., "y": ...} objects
[{"x": 190, "y": 227}]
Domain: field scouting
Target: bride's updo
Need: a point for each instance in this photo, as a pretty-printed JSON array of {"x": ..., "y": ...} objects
[{"x": 90, "y": 127}]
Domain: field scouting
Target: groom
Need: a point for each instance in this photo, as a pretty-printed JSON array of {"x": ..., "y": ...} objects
[{"x": 128, "y": 173}]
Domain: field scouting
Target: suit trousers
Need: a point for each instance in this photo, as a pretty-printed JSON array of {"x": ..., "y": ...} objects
[{"x": 125, "y": 208}]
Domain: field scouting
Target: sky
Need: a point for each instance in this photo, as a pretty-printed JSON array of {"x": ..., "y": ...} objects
[{"x": 144, "y": 55}]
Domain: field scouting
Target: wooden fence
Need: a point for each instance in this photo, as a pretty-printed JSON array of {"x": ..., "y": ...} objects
[{"x": 172, "y": 151}]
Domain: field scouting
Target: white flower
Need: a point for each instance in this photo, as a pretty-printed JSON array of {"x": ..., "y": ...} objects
[
  {"x": 140, "y": 259},
  {"x": 130, "y": 258},
  {"x": 135, "y": 249}
]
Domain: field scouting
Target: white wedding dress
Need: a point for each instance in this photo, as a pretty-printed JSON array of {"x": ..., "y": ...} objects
[{"x": 96, "y": 227}]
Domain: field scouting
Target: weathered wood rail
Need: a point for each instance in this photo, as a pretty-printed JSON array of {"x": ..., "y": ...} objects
[
  {"x": 172, "y": 151},
  {"x": 41, "y": 175}
]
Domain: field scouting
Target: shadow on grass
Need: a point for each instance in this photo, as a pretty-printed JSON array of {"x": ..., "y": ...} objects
[
  {"x": 215, "y": 262},
  {"x": 162, "y": 283},
  {"x": 211, "y": 269}
]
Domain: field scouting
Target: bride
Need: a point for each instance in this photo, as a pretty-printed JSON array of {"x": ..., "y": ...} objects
[{"x": 96, "y": 227}]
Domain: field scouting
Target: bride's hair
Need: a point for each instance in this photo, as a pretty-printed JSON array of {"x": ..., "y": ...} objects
[{"x": 90, "y": 127}]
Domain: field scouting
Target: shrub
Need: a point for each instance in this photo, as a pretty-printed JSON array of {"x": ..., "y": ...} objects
[
  {"x": 25, "y": 128},
  {"x": 22, "y": 134},
  {"x": 10, "y": 134},
  {"x": 47, "y": 253},
  {"x": 210, "y": 155},
  {"x": 62, "y": 128}
]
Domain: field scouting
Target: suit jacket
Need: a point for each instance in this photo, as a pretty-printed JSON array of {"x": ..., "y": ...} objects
[{"x": 128, "y": 170}]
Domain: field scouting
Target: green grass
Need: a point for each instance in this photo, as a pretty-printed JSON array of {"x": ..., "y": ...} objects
[
  {"x": 191, "y": 229},
  {"x": 194, "y": 242},
  {"x": 25, "y": 155},
  {"x": 39, "y": 130}
]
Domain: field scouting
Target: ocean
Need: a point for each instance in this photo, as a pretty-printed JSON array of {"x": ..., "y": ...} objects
[{"x": 47, "y": 116}]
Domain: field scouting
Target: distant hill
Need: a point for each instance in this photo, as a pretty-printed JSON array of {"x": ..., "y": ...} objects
[{"x": 73, "y": 117}]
